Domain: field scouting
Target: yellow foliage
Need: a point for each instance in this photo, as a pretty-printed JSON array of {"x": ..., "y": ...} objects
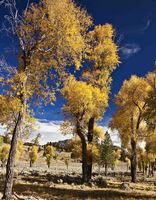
[
  {"x": 49, "y": 153},
  {"x": 33, "y": 154},
  {"x": 99, "y": 132},
  {"x": 83, "y": 98},
  {"x": 19, "y": 149},
  {"x": 4, "y": 153},
  {"x": 104, "y": 52},
  {"x": 131, "y": 102},
  {"x": 128, "y": 161}
]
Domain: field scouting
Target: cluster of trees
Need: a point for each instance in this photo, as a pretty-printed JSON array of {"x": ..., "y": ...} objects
[
  {"x": 52, "y": 36},
  {"x": 135, "y": 120},
  {"x": 49, "y": 152}
]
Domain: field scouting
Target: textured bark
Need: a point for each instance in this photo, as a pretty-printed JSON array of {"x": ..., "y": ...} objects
[
  {"x": 90, "y": 140},
  {"x": 84, "y": 153},
  {"x": 11, "y": 161},
  {"x": 133, "y": 161}
]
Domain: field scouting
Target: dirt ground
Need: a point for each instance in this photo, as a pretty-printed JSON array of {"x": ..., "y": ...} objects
[{"x": 61, "y": 183}]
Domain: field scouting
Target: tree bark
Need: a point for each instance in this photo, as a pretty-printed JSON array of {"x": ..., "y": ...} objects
[
  {"x": 11, "y": 161},
  {"x": 30, "y": 163},
  {"x": 90, "y": 140},
  {"x": 106, "y": 169},
  {"x": 84, "y": 153},
  {"x": 133, "y": 161}
]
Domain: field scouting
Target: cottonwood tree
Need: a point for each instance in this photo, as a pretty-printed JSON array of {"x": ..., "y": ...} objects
[
  {"x": 33, "y": 154},
  {"x": 50, "y": 35},
  {"x": 82, "y": 100},
  {"x": 102, "y": 60},
  {"x": 129, "y": 120},
  {"x": 49, "y": 153}
]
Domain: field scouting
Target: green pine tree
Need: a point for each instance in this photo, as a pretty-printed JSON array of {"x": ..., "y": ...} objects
[{"x": 107, "y": 157}]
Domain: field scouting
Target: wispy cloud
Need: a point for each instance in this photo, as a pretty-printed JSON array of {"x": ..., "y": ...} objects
[
  {"x": 147, "y": 25},
  {"x": 129, "y": 49},
  {"x": 139, "y": 29}
]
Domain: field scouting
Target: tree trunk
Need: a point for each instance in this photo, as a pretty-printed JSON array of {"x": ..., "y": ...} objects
[
  {"x": 133, "y": 161},
  {"x": 84, "y": 153},
  {"x": 143, "y": 168},
  {"x": 84, "y": 162},
  {"x": 11, "y": 161},
  {"x": 30, "y": 163},
  {"x": 106, "y": 169},
  {"x": 49, "y": 165},
  {"x": 90, "y": 140}
]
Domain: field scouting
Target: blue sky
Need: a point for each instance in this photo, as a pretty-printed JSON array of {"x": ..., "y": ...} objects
[{"x": 135, "y": 24}]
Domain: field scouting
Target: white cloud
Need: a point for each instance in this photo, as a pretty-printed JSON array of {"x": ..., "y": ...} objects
[
  {"x": 50, "y": 132},
  {"x": 129, "y": 49}
]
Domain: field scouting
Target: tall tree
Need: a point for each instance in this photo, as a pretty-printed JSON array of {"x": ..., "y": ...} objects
[
  {"x": 103, "y": 59},
  {"x": 50, "y": 35},
  {"x": 129, "y": 120},
  {"x": 82, "y": 100}
]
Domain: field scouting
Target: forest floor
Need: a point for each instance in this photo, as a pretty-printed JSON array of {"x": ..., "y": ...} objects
[{"x": 58, "y": 182}]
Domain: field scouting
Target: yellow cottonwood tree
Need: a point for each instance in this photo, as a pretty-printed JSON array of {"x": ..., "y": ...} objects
[
  {"x": 83, "y": 100},
  {"x": 51, "y": 35},
  {"x": 33, "y": 154},
  {"x": 49, "y": 153},
  {"x": 129, "y": 120},
  {"x": 103, "y": 58}
]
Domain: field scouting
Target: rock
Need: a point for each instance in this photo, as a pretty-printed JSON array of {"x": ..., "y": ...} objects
[
  {"x": 124, "y": 186},
  {"x": 101, "y": 182},
  {"x": 35, "y": 183},
  {"x": 61, "y": 181}
]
